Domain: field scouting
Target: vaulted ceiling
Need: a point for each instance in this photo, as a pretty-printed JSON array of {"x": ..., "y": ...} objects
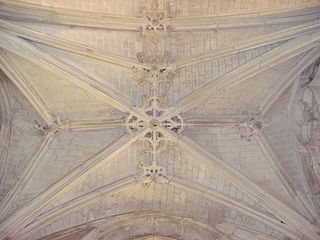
[{"x": 160, "y": 119}]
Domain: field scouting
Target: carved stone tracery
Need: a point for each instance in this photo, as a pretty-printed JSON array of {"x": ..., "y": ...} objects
[
  {"x": 154, "y": 141},
  {"x": 134, "y": 124}
]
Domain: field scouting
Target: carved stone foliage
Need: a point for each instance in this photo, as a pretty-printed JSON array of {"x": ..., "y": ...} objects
[
  {"x": 41, "y": 129},
  {"x": 53, "y": 128},
  {"x": 306, "y": 124},
  {"x": 156, "y": 70},
  {"x": 306, "y": 111},
  {"x": 154, "y": 142},
  {"x": 306, "y": 115},
  {"x": 154, "y": 173},
  {"x": 155, "y": 16},
  {"x": 157, "y": 73},
  {"x": 249, "y": 128}
]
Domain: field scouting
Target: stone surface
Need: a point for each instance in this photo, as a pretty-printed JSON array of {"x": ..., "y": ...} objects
[{"x": 222, "y": 182}]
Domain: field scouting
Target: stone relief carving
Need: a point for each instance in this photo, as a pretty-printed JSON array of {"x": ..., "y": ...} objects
[
  {"x": 306, "y": 115},
  {"x": 155, "y": 16},
  {"x": 154, "y": 173},
  {"x": 306, "y": 126},
  {"x": 157, "y": 74},
  {"x": 134, "y": 124},
  {"x": 41, "y": 129},
  {"x": 156, "y": 70},
  {"x": 249, "y": 128},
  {"x": 53, "y": 128}
]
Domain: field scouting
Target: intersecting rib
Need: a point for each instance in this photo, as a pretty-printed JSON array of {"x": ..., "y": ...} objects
[
  {"x": 73, "y": 205},
  {"x": 227, "y": 21},
  {"x": 287, "y": 79},
  {"x": 69, "y": 46},
  {"x": 19, "y": 80},
  {"x": 232, "y": 203},
  {"x": 44, "y": 59},
  {"x": 25, "y": 176},
  {"x": 259, "y": 64},
  {"x": 24, "y": 215},
  {"x": 28, "y": 12},
  {"x": 252, "y": 43},
  {"x": 276, "y": 207},
  {"x": 89, "y": 125}
]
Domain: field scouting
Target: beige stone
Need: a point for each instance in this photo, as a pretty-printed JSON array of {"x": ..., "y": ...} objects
[{"x": 159, "y": 119}]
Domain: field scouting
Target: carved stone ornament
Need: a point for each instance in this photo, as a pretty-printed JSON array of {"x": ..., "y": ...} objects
[
  {"x": 154, "y": 173},
  {"x": 248, "y": 128},
  {"x": 156, "y": 70},
  {"x": 157, "y": 73},
  {"x": 134, "y": 124},
  {"x": 154, "y": 141},
  {"x": 155, "y": 16},
  {"x": 306, "y": 115},
  {"x": 306, "y": 126},
  {"x": 53, "y": 128},
  {"x": 40, "y": 129}
]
